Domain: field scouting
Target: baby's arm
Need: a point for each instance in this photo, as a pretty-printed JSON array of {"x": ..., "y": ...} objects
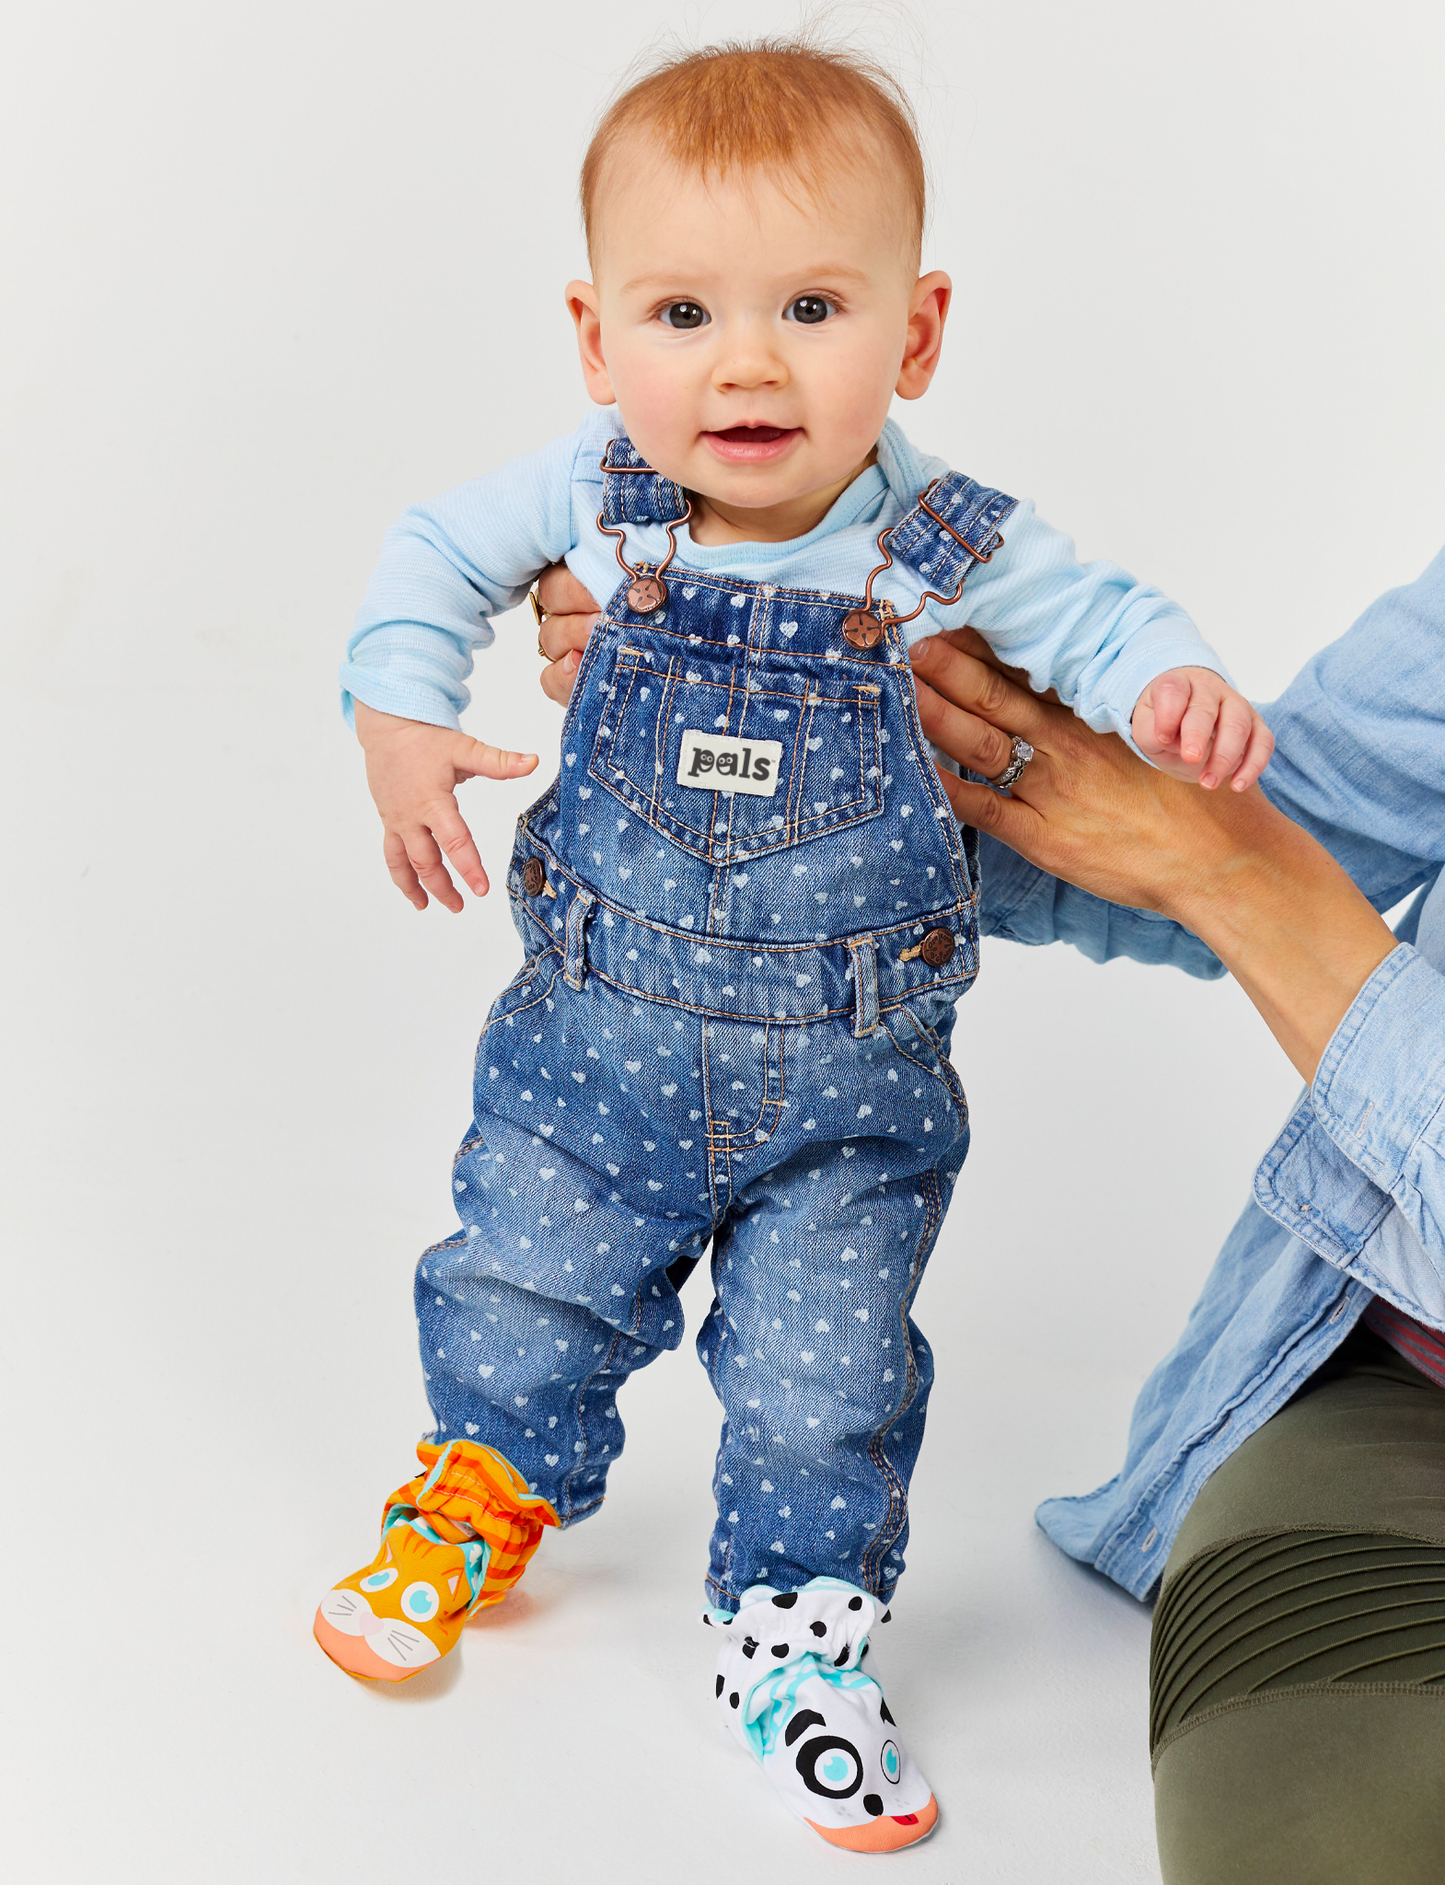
[
  {"x": 1192, "y": 724},
  {"x": 445, "y": 569},
  {"x": 1120, "y": 653}
]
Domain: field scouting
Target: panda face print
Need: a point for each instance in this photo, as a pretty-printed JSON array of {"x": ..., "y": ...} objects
[
  {"x": 793, "y": 1687},
  {"x": 830, "y": 1766}
]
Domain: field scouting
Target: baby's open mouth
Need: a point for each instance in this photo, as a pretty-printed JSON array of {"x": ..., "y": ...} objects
[{"x": 752, "y": 442}]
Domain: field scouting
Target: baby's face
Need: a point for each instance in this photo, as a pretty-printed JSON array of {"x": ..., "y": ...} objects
[{"x": 752, "y": 342}]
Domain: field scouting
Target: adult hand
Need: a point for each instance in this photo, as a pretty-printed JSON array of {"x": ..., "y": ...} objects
[
  {"x": 1274, "y": 906},
  {"x": 571, "y": 617},
  {"x": 1086, "y": 808}
]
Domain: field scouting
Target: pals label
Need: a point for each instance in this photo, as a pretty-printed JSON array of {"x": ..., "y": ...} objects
[{"x": 720, "y": 762}]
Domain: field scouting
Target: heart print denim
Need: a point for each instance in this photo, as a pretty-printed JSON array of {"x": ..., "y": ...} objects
[{"x": 731, "y": 1030}]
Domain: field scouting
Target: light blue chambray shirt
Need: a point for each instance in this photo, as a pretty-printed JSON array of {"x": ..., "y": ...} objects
[
  {"x": 1349, "y": 1201},
  {"x": 1087, "y": 629}
]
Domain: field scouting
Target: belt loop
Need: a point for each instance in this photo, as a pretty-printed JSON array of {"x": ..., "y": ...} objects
[
  {"x": 578, "y": 911},
  {"x": 864, "y": 951}
]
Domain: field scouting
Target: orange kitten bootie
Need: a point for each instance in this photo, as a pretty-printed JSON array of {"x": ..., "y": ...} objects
[{"x": 453, "y": 1540}]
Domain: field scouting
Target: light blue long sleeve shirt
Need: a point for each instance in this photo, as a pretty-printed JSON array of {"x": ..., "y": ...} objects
[
  {"x": 1088, "y": 630},
  {"x": 1349, "y": 1201}
]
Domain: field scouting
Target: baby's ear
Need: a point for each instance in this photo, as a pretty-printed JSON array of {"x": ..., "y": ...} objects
[
  {"x": 927, "y": 314},
  {"x": 582, "y": 305}
]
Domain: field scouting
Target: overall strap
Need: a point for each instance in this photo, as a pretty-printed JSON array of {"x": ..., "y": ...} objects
[
  {"x": 633, "y": 493},
  {"x": 952, "y": 526}
]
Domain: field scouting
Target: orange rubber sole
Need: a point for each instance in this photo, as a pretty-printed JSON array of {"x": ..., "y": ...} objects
[
  {"x": 889, "y": 1833},
  {"x": 356, "y": 1656}
]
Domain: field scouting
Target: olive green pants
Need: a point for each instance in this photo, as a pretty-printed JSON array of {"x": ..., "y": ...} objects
[{"x": 1297, "y": 1682}]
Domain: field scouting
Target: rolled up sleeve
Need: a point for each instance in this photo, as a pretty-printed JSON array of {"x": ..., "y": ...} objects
[{"x": 1359, "y": 1172}]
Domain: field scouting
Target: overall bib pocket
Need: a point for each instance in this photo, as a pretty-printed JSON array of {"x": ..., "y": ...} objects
[{"x": 732, "y": 761}]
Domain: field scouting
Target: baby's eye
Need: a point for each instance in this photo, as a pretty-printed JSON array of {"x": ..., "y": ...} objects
[
  {"x": 810, "y": 310},
  {"x": 684, "y": 314}
]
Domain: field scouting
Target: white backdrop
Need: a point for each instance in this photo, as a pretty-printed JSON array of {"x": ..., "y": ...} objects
[{"x": 272, "y": 270}]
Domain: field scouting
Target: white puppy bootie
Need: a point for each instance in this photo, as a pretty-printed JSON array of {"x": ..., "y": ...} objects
[{"x": 791, "y": 1685}]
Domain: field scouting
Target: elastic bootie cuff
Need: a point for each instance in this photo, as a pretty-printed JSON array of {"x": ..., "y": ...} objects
[{"x": 466, "y": 1491}]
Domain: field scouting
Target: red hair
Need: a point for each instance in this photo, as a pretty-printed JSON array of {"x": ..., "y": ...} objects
[{"x": 771, "y": 105}]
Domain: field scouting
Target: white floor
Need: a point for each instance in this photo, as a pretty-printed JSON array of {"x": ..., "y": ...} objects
[{"x": 272, "y": 270}]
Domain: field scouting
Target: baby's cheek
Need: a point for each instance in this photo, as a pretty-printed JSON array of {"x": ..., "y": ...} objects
[{"x": 658, "y": 404}]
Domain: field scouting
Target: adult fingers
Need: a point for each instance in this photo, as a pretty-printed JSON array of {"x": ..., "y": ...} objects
[
  {"x": 475, "y": 759},
  {"x": 966, "y": 738},
  {"x": 967, "y": 682},
  {"x": 986, "y": 810},
  {"x": 561, "y": 635},
  {"x": 562, "y": 594},
  {"x": 449, "y": 829},
  {"x": 399, "y": 868},
  {"x": 559, "y": 676}
]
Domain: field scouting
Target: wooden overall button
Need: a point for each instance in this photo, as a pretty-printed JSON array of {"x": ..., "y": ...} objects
[
  {"x": 534, "y": 876},
  {"x": 937, "y": 948},
  {"x": 646, "y": 594},
  {"x": 862, "y": 630}
]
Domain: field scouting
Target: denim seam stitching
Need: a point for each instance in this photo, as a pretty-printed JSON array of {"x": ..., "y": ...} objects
[
  {"x": 797, "y": 828},
  {"x": 743, "y": 1139},
  {"x": 1176, "y": 1471},
  {"x": 952, "y": 1088},
  {"x": 719, "y": 1164},
  {"x": 960, "y": 908},
  {"x": 932, "y": 786},
  {"x": 871, "y": 1563},
  {"x": 454, "y": 1242},
  {"x": 495, "y": 1021},
  {"x": 619, "y": 1337}
]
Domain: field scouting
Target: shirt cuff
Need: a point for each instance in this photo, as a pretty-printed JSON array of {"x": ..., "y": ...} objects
[
  {"x": 1333, "y": 1175},
  {"x": 1360, "y": 1095},
  {"x": 1165, "y": 646},
  {"x": 387, "y": 694}
]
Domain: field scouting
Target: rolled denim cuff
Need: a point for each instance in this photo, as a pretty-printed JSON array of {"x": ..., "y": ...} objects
[{"x": 1380, "y": 1086}]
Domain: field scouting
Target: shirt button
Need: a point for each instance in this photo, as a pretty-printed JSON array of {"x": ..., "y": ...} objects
[
  {"x": 533, "y": 876},
  {"x": 937, "y": 948}
]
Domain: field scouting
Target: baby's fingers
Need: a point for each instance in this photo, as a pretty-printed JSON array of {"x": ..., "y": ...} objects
[
  {"x": 474, "y": 759},
  {"x": 1146, "y": 732},
  {"x": 1231, "y": 737},
  {"x": 400, "y": 869},
  {"x": 449, "y": 829},
  {"x": 1168, "y": 699},
  {"x": 422, "y": 857},
  {"x": 1196, "y": 729},
  {"x": 1256, "y": 758}
]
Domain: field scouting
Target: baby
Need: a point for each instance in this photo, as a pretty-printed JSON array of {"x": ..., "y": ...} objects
[{"x": 746, "y": 909}]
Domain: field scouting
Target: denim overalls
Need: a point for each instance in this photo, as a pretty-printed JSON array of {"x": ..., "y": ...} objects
[{"x": 748, "y": 912}]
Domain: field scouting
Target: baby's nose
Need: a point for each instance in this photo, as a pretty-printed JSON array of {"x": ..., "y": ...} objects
[{"x": 746, "y": 367}]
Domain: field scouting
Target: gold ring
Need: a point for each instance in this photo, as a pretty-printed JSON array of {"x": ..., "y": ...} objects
[{"x": 539, "y": 615}]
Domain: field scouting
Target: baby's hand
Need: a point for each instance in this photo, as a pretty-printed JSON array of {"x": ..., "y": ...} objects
[
  {"x": 1193, "y": 725},
  {"x": 413, "y": 771}
]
